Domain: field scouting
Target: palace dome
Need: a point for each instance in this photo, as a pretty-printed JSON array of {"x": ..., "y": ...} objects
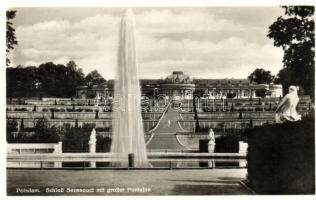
[{"x": 178, "y": 77}]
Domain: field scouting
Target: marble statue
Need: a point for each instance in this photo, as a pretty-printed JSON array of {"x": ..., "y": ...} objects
[
  {"x": 286, "y": 110},
  {"x": 211, "y": 143},
  {"x": 92, "y": 141}
]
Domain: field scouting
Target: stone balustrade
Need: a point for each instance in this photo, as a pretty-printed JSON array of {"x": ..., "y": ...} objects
[
  {"x": 189, "y": 125},
  {"x": 99, "y": 123},
  {"x": 230, "y": 115},
  {"x": 30, "y": 148},
  {"x": 71, "y": 115}
]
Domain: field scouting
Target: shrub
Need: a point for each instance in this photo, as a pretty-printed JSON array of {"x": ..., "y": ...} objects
[
  {"x": 44, "y": 110},
  {"x": 259, "y": 101},
  {"x": 44, "y": 133},
  {"x": 231, "y": 95},
  {"x": 261, "y": 93},
  {"x": 103, "y": 144},
  {"x": 227, "y": 144},
  {"x": 103, "y": 129},
  {"x": 97, "y": 114},
  {"x": 12, "y": 126},
  {"x": 76, "y": 139},
  {"x": 54, "y": 110},
  {"x": 232, "y": 107},
  {"x": 270, "y": 106},
  {"x": 20, "y": 109},
  {"x": 240, "y": 114},
  {"x": 258, "y": 109},
  {"x": 281, "y": 158}
]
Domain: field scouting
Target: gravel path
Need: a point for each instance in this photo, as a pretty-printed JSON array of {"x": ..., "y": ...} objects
[{"x": 124, "y": 182}]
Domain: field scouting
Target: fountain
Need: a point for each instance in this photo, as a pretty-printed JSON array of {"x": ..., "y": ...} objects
[{"x": 128, "y": 132}]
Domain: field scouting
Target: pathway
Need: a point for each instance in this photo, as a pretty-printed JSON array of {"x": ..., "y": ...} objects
[{"x": 164, "y": 136}]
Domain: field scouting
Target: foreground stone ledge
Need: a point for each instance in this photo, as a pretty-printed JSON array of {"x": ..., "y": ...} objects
[{"x": 105, "y": 157}]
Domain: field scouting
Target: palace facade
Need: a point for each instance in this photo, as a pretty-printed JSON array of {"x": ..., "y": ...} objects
[{"x": 180, "y": 86}]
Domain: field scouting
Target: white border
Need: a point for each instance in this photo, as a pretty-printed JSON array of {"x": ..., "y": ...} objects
[
  {"x": 152, "y": 3},
  {"x": 5, "y": 4}
]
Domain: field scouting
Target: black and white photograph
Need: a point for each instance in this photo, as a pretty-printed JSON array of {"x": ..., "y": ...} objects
[{"x": 160, "y": 101}]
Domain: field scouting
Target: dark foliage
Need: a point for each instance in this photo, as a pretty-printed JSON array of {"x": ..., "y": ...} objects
[
  {"x": 48, "y": 79},
  {"x": 42, "y": 133},
  {"x": 231, "y": 95},
  {"x": 261, "y": 76},
  {"x": 10, "y": 34},
  {"x": 281, "y": 158},
  {"x": 196, "y": 117},
  {"x": 103, "y": 144},
  {"x": 227, "y": 144},
  {"x": 94, "y": 78},
  {"x": 12, "y": 126},
  {"x": 261, "y": 93},
  {"x": 295, "y": 33},
  {"x": 76, "y": 138}
]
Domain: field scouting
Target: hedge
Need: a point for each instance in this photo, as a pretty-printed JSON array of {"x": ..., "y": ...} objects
[
  {"x": 228, "y": 143},
  {"x": 281, "y": 158}
]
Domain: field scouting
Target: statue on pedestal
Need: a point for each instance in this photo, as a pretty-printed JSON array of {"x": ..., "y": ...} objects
[
  {"x": 211, "y": 143},
  {"x": 92, "y": 141},
  {"x": 286, "y": 110}
]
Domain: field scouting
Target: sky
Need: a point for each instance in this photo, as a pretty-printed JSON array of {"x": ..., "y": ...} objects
[{"x": 204, "y": 42}]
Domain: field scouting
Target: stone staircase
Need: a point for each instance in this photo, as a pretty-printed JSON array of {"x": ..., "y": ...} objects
[
  {"x": 164, "y": 136},
  {"x": 165, "y": 141}
]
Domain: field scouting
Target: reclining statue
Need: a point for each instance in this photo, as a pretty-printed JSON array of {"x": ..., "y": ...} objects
[{"x": 286, "y": 110}]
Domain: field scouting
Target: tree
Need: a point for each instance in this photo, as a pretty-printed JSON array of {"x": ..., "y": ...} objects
[
  {"x": 53, "y": 79},
  {"x": 22, "y": 81},
  {"x": 12, "y": 126},
  {"x": 231, "y": 95},
  {"x": 10, "y": 34},
  {"x": 261, "y": 76},
  {"x": 196, "y": 117},
  {"x": 261, "y": 93},
  {"x": 295, "y": 34},
  {"x": 94, "y": 78}
]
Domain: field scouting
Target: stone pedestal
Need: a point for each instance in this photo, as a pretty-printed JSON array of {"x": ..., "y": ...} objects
[
  {"x": 242, "y": 163},
  {"x": 243, "y": 147},
  {"x": 58, "y": 148},
  {"x": 211, "y": 163},
  {"x": 93, "y": 164},
  {"x": 92, "y": 148},
  {"x": 211, "y": 147},
  {"x": 57, "y": 164}
]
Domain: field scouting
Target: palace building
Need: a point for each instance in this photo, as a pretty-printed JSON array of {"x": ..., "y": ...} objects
[{"x": 180, "y": 86}]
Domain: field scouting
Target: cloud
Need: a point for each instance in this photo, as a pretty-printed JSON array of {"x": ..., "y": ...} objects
[{"x": 195, "y": 41}]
